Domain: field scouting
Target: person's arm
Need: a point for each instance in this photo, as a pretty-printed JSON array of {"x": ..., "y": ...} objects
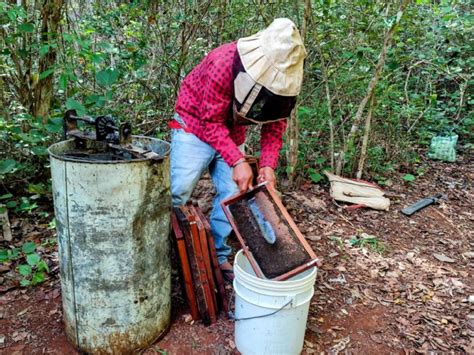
[
  {"x": 271, "y": 141},
  {"x": 215, "y": 107},
  {"x": 216, "y": 104}
]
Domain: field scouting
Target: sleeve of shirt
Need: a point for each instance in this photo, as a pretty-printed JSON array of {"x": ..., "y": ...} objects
[
  {"x": 217, "y": 98},
  {"x": 271, "y": 141}
]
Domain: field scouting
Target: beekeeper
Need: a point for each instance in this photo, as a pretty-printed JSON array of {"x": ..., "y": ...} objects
[{"x": 252, "y": 81}]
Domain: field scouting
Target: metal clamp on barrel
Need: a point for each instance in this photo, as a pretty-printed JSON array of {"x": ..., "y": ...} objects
[{"x": 106, "y": 131}]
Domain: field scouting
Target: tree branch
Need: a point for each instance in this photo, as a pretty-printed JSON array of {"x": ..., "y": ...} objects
[{"x": 370, "y": 88}]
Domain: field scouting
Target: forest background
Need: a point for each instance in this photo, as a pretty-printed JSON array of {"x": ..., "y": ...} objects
[{"x": 381, "y": 79}]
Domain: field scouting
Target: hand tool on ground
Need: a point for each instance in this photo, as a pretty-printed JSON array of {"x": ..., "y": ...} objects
[{"x": 419, "y": 205}]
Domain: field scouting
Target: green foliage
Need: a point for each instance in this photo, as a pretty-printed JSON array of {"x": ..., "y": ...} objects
[
  {"x": 128, "y": 59},
  {"x": 33, "y": 268},
  {"x": 315, "y": 177},
  {"x": 337, "y": 241},
  {"x": 409, "y": 177},
  {"x": 107, "y": 77},
  {"x": 24, "y": 140},
  {"x": 28, "y": 247},
  {"x": 8, "y": 166},
  {"x": 7, "y": 255},
  {"x": 424, "y": 85},
  {"x": 52, "y": 224},
  {"x": 364, "y": 240},
  {"x": 72, "y": 104}
]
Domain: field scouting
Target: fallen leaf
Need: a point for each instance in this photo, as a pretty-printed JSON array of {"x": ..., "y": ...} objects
[
  {"x": 341, "y": 345},
  {"x": 314, "y": 329},
  {"x": 439, "y": 342},
  {"x": 355, "y": 293},
  {"x": 54, "y": 311},
  {"x": 340, "y": 279},
  {"x": 376, "y": 338},
  {"x": 231, "y": 343},
  {"x": 470, "y": 324},
  {"x": 403, "y": 321},
  {"x": 308, "y": 344},
  {"x": 457, "y": 283},
  {"x": 19, "y": 336},
  {"x": 56, "y": 292},
  {"x": 23, "y": 312},
  {"x": 443, "y": 258},
  {"x": 312, "y": 203},
  {"x": 393, "y": 274},
  {"x": 410, "y": 255},
  {"x": 17, "y": 350}
]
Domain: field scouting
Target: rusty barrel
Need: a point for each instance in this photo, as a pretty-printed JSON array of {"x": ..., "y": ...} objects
[{"x": 113, "y": 220}]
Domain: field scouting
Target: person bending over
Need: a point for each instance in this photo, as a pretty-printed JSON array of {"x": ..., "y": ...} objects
[{"x": 252, "y": 81}]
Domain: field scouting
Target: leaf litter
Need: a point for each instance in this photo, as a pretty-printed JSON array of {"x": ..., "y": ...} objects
[
  {"x": 402, "y": 284},
  {"x": 407, "y": 279}
]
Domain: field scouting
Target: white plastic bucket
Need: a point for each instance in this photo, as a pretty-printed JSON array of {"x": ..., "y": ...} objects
[{"x": 279, "y": 329}]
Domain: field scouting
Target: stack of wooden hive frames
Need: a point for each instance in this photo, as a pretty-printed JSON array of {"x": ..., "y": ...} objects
[{"x": 202, "y": 278}]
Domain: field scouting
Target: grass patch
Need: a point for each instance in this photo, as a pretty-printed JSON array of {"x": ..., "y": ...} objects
[{"x": 364, "y": 240}]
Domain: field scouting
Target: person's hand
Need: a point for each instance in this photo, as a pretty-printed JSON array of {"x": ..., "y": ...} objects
[
  {"x": 242, "y": 175},
  {"x": 267, "y": 174}
]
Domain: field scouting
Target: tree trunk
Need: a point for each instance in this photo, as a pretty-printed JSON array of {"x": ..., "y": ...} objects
[
  {"x": 365, "y": 141},
  {"x": 329, "y": 103},
  {"x": 293, "y": 126},
  {"x": 4, "y": 109},
  {"x": 43, "y": 91},
  {"x": 370, "y": 88}
]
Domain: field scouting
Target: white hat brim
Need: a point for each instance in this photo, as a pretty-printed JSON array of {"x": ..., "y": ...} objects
[{"x": 262, "y": 70}]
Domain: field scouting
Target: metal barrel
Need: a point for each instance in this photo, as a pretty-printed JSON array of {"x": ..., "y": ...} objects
[{"x": 113, "y": 222}]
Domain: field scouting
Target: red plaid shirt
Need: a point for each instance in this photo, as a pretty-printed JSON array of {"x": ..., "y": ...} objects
[{"x": 205, "y": 105}]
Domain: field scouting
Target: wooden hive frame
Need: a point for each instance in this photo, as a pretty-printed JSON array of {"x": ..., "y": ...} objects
[
  {"x": 185, "y": 267},
  {"x": 219, "y": 279},
  {"x": 202, "y": 278},
  {"x": 314, "y": 260}
]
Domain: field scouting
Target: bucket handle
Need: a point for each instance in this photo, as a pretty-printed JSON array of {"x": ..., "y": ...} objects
[{"x": 232, "y": 316}]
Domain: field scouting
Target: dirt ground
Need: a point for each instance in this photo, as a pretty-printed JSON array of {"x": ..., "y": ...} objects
[{"x": 410, "y": 289}]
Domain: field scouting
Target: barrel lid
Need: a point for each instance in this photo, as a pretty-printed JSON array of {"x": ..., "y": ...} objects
[{"x": 142, "y": 149}]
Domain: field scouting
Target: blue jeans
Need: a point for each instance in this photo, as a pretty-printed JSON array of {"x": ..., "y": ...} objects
[{"x": 190, "y": 157}]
